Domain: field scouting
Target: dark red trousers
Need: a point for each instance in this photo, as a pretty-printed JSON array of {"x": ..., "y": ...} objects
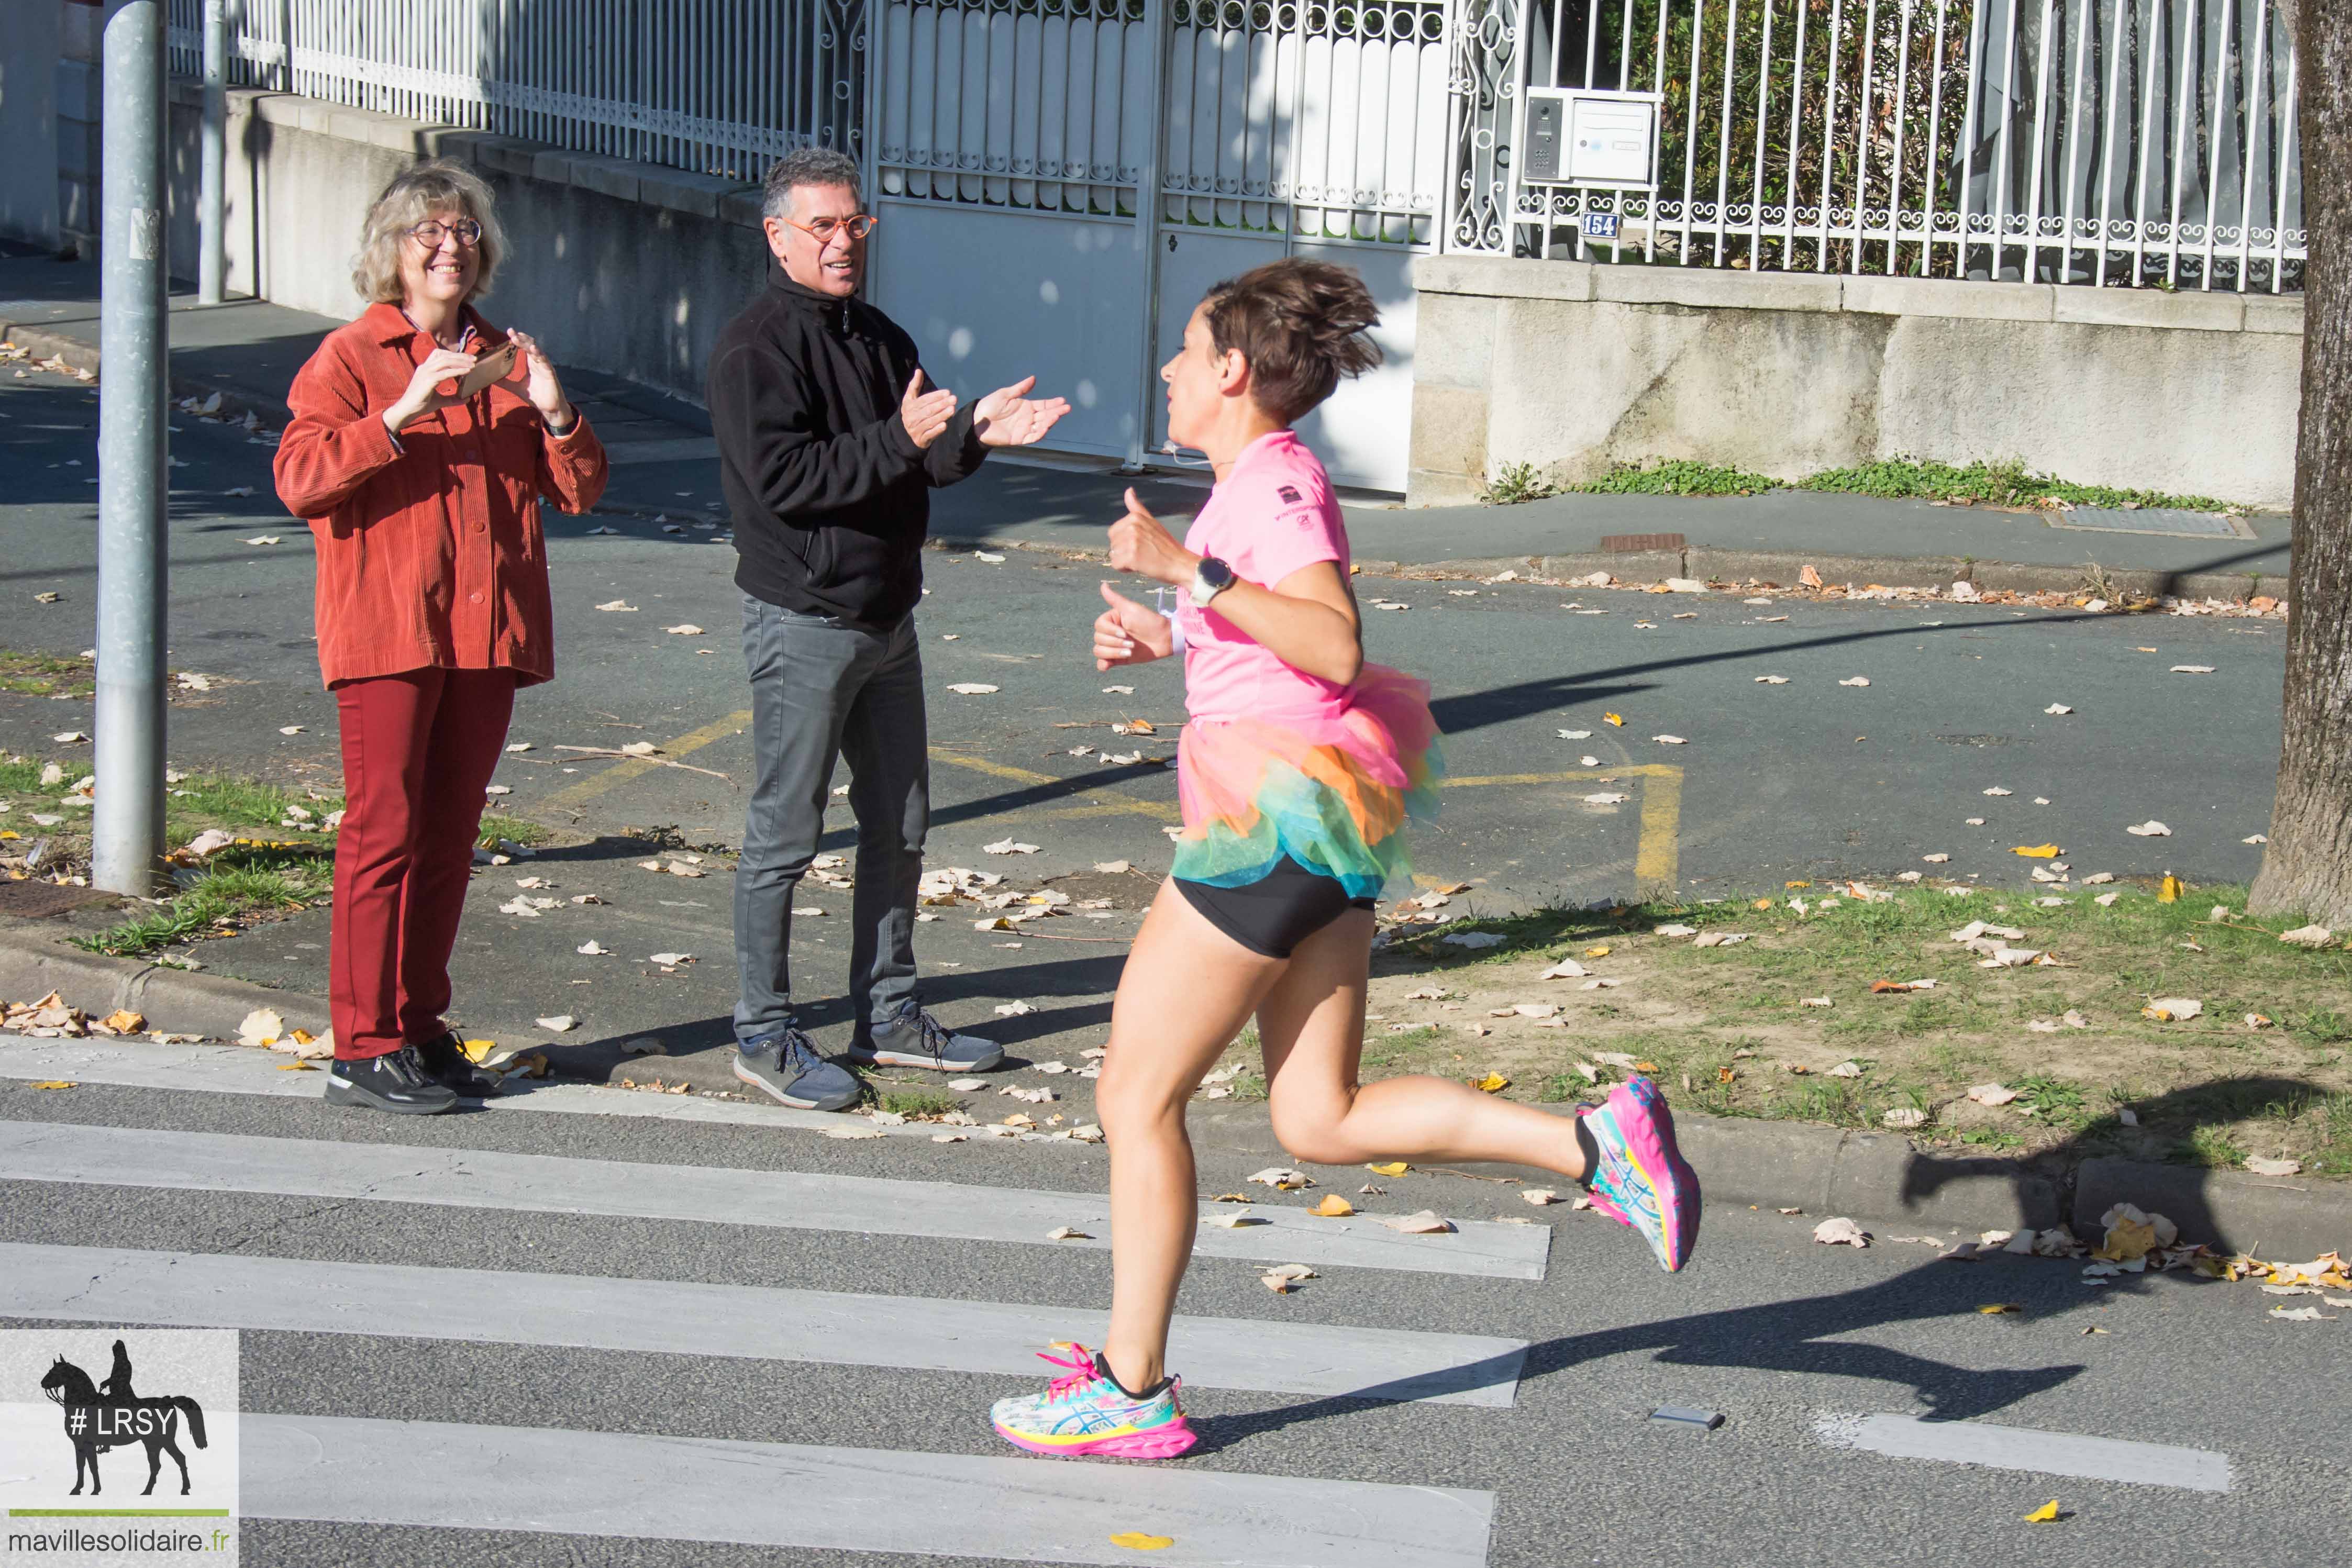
[{"x": 418, "y": 751}]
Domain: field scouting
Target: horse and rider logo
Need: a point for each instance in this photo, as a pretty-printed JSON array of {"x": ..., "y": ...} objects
[{"x": 114, "y": 1415}]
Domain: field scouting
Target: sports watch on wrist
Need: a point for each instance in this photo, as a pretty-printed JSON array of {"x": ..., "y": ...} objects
[{"x": 1210, "y": 579}]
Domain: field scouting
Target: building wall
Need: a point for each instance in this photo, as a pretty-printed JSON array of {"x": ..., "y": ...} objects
[
  {"x": 29, "y": 68},
  {"x": 1576, "y": 367},
  {"x": 614, "y": 266}
]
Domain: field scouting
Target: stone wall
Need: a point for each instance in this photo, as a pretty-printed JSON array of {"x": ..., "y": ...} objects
[
  {"x": 1576, "y": 367},
  {"x": 616, "y": 266}
]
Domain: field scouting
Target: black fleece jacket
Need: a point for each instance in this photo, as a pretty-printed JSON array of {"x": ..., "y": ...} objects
[{"x": 830, "y": 498}]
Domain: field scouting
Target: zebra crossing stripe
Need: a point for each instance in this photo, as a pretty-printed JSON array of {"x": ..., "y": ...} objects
[
  {"x": 201, "y": 1290},
  {"x": 2023, "y": 1449},
  {"x": 617, "y": 1484},
  {"x": 798, "y": 1200}
]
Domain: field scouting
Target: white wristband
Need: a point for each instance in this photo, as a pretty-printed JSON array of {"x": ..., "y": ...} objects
[{"x": 1175, "y": 634}]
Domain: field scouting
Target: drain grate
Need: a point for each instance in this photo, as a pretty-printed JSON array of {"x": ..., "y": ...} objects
[
  {"x": 1625, "y": 544},
  {"x": 2153, "y": 520}
]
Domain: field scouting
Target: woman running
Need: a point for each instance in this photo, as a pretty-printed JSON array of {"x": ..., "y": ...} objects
[{"x": 1298, "y": 771}]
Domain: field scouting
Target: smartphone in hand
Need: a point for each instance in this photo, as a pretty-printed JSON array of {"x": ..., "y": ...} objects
[{"x": 495, "y": 366}]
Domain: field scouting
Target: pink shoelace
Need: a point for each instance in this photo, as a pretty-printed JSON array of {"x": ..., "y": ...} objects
[{"x": 1081, "y": 1362}]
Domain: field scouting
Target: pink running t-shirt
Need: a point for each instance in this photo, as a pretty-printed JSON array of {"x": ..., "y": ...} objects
[{"x": 1271, "y": 514}]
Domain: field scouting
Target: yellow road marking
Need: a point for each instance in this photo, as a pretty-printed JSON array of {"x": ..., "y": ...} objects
[
  {"x": 621, "y": 772},
  {"x": 1657, "y": 858},
  {"x": 1094, "y": 805}
]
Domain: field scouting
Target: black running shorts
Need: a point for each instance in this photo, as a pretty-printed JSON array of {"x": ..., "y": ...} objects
[{"x": 1272, "y": 915}]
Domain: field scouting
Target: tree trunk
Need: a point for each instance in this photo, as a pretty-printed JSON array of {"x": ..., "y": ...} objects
[{"x": 2308, "y": 866}]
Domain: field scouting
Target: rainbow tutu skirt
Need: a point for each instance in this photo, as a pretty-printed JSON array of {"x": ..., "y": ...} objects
[{"x": 1335, "y": 794}]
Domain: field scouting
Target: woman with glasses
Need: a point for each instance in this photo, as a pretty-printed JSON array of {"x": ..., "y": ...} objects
[{"x": 422, "y": 442}]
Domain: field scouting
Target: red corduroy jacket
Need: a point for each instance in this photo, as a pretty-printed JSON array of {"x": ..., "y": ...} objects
[{"x": 430, "y": 553}]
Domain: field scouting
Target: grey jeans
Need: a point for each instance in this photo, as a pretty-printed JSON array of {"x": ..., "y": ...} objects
[{"x": 821, "y": 690}]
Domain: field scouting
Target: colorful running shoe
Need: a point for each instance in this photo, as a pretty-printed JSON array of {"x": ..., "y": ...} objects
[
  {"x": 1087, "y": 1413},
  {"x": 1640, "y": 1178}
]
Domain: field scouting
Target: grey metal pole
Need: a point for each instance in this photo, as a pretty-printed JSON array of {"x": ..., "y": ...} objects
[
  {"x": 127, "y": 829},
  {"x": 212, "y": 206}
]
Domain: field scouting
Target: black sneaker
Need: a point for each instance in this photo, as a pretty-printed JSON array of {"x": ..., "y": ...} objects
[
  {"x": 444, "y": 1062},
  {"x": 393, "y": 1081},
  {"x": 786, "y": 1067},
  {"x": 915, "y": 1038}
]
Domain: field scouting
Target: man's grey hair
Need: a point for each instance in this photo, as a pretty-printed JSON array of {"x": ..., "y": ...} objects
[{"x": 807, "y": 166}]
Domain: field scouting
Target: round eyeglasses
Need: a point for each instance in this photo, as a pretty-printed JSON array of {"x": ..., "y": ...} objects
[
  {"x": 822, "y": 230},
  {"x": 432, "y": 231}
]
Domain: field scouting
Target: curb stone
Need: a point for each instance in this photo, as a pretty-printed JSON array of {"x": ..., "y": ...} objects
[
  {"x": 44, "y": 344},
  {"x": 1771, "y": 566},
  {"x": 1873, "y": 1177},
  {"x": 1650, "y": 566},
  {"x": 173, "y": 1000},
  {"x": 1880, "y": 1180}
]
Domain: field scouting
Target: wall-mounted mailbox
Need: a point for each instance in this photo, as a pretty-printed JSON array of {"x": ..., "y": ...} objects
[{"x": 1577, "y": 137}]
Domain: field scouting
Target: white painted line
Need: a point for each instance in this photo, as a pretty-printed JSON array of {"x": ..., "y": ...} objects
[
  {"x": 858, "y": 1499},
  {"x": 2023, "y": 1449},
  {"x": 797, "y": 1201},
  {"x": 794, "y": 1200},
  {"x": 203, "y": 1290}
]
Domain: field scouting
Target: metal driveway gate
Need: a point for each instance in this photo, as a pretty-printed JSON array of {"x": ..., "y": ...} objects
[{"x": 1014, "y": 140}]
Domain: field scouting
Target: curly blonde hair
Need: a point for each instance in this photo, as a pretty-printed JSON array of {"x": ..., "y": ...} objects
[{"x": 415, "y": 195}]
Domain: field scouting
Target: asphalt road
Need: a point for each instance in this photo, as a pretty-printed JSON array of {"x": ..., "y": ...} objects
[
  {"x": 1775, "y": 1332},
  {"x": 1813, "y": 778}
]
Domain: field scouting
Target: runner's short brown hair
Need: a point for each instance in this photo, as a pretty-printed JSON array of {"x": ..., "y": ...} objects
[{"x": 1301, "y": 325}]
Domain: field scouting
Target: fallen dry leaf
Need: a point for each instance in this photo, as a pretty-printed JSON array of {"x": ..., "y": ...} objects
[
  {"x": 2038, "y": 851},
  {"x": 1283, "y": 1178},
  {"x": 1426, "y": 1223},
  {"x": 2269, "y": 1168},
  {"x": 1333, "y": 1207},
  {"x": 1493, "y": 1083},
  {"x": 1133, "y": 1540},
  {"x": 2311, "y": 936},
  {"x": 972, "y": 689},
  {"x": 683, "y": 628},
  {"x": 1392, "y": 1168},
  {"x": 621, "y": 605},
  {"x": 2172, "y": 1010},
  {"x": 2151, "y": 829},
  {"x": 1538, "y": 1195},
  {"x": 2044, "y": 1514},
  {"x": 1992, "y": 1094},
  {"x": 1840, "y": 1232},
  {"x": 1064, "y": 1233},
  {"x": 260, "y": 1026},
  {"x": 1855, "y": 680},
  {"x": 52, "y": 1084},
  {"x": 2192, "y": 669}
]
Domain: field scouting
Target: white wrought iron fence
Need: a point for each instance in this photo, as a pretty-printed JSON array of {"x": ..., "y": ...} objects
[
  {"x": 2103, "y": 141},
  {"x": 2100, "y": 141},
  {"x": 1044, "y": 106},
  {"x": 1318, "y": 121},
  {"x": 720, "y": 87}
]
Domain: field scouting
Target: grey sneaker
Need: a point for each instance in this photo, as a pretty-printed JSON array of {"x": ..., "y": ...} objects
[
  {"x": 916, "y": 1038},
  {"x": 786, "y": 1067}
]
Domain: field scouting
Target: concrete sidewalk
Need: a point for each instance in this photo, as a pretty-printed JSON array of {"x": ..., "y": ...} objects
[{"x": 248, "y": 351}]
